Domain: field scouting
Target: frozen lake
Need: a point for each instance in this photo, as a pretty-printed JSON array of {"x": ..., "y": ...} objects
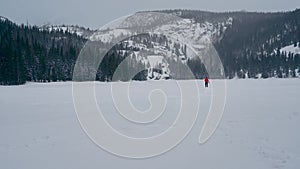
[{"x": 259, "y": 129}]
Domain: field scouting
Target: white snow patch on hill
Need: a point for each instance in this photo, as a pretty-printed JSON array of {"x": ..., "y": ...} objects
[
  {"x": 80, "y": 31},
  {"x": 2, "y": 18},
  {"x": 156, "y": 61},
  {"x": 291, "y": 49}
]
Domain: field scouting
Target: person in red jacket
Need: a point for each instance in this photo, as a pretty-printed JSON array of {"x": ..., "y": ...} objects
[{"x": 206, "y": 81}]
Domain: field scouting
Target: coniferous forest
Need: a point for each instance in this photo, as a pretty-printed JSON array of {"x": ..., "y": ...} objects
[{"x": 29, "y": 54}]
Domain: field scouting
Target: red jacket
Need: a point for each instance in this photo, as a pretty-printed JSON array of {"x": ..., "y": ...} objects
[{"x": 206, "y": 80}]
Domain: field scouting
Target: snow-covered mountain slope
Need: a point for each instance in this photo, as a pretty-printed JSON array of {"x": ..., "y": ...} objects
[
  {"x": 108, "y": 35},
  {"x": 184, "y": 30},
  {"x": 187, "y": 30},
  {"x": 259, "y": 129},
  {"x": 184, "y": 38}
]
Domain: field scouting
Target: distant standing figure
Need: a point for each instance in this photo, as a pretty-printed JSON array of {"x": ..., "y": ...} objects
[{"x": 206, "y": 81}]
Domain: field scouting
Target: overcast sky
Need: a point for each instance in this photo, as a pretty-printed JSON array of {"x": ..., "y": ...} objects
[{"x": 96, "y": 13}]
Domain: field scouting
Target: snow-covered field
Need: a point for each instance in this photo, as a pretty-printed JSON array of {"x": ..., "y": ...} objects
[{"x": 259, "y": 130}]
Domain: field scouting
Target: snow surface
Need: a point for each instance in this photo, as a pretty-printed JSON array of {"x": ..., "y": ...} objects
[
  {"x": 290, "y": 49},
  {"x": 259, "y": 129}
]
